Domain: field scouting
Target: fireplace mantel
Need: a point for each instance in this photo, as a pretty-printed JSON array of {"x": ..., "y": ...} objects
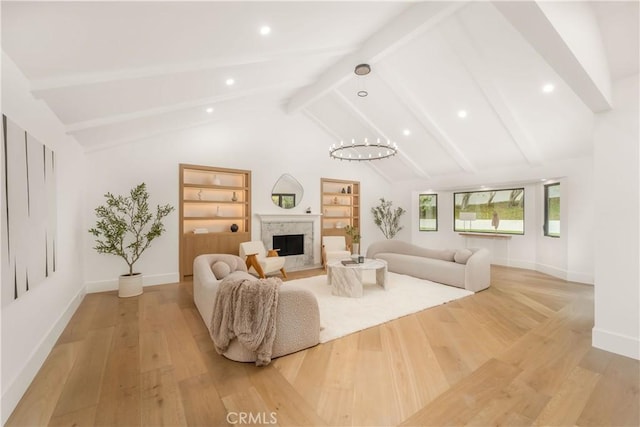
[
  {"x": 293, "y": 223},
  {"x": 284, "y": 217}
]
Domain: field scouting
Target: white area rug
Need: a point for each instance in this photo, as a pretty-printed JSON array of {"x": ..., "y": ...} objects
[{"x": 340, "y": 316}]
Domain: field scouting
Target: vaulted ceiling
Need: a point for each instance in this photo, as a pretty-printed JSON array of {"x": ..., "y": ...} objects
[{"x": 116, "y": 72}]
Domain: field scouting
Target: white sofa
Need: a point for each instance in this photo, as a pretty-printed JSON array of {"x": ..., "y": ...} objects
[
  {"x": 297, "y": 318},
  {"x": 463, "y": 268}
]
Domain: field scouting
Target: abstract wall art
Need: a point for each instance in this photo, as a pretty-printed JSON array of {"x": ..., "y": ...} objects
[{"x": 28, "y": 211}]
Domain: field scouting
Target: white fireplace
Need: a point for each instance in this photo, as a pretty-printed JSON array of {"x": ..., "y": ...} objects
[{"x": 293, "y": 224}]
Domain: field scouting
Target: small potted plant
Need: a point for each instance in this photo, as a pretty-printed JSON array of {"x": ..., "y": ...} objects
[
  {"x": 126, "y": 228},
  {"x": 354, "y": 233}
]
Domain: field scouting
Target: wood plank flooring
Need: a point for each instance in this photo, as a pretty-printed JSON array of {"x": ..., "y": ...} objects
[{"x": 518, "y": 353}]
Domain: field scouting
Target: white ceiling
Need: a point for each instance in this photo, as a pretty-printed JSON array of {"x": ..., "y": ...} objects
[{"x": 116, "y": 72}]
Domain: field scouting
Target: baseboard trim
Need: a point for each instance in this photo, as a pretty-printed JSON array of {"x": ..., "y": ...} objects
[
  {"x": 147, "y": 280},
  {"x": 552, "y": 271},
  {"x": 20, "y": 383},
  {"x": 616, "y": 343},
  {"x": 583, "y": 278}
]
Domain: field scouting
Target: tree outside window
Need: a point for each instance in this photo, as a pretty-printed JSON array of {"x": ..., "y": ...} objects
[
  {"x": 491, "y": 211},
  {"x": 428, "y": 212}
]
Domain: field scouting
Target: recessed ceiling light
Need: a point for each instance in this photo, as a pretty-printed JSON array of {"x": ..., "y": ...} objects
[
  {"x": 209, "y": 110},
  {"x": 462, "y": 114},
  {"x": 265, "y": 30},
  {"x": 230, "y": 82},
  {"x": 548, "y": 88},
  {"x": 406, "y": 132}
]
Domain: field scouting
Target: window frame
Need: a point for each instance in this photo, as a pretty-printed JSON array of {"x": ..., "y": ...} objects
[
  {"x": 436, "y": 211},
  {"x": 545, "y": 225},
  {"x": 489, "y": 232},
  {"x": 279, "y": 199}
]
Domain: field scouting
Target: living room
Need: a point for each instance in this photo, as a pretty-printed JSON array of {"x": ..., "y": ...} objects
[{"x": 103, "y": 100}]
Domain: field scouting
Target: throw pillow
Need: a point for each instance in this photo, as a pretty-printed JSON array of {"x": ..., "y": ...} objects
[
  {"x": 220, "y": 270},
  {"x": 462, "y": 256},
  {"x": 442, "y": 254}
]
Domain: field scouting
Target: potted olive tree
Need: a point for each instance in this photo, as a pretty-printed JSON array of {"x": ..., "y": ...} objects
[{"x": 126, "y": 228}]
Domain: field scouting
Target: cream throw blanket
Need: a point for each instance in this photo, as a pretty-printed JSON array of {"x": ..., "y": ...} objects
[{"x": 246, "y": 309}]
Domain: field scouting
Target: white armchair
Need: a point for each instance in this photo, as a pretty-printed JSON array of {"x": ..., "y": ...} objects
[
  {"x": 259, "y": 262},
  {"x": 334, "y": 248}
]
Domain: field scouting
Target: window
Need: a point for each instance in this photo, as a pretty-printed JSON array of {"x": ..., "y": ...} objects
[
  {"x": 286, "y": 201},
  {"x": 552, "y": 210},
  {"x": 493, "y": 211},
  {"x": 428, "y": 212}
]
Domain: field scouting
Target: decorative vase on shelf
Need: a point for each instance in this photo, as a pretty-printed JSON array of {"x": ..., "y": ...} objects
[
  {"x": 234, "y": 198},
  {"x": 348, "y": 189},
  {"x": 218, "y": 211},
  {"x": 199, "y": 194},
  {"x": 343, "y": 190},
  {"x": 216, "y": 180},
  {"x": 335, "y": 200},
  {"x": 234, "y": 228}
]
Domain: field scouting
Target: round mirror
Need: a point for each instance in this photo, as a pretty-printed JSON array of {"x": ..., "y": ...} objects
[{"x": 287, "y": 192}]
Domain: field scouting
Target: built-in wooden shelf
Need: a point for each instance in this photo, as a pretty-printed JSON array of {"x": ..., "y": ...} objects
[
  {"x": 212, "y": 198},
  {"x": 335, "y": 216}
]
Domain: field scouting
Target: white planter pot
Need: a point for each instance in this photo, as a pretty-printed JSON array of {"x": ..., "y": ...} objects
[
  {"x": 355, "y": 248},
  {"x": 130, "y": 286}
]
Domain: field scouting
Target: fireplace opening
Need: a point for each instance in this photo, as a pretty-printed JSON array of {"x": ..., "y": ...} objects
[{"x": 289, "y": 244}]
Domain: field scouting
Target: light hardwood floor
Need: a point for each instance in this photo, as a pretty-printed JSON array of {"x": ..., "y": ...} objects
[{"x": 518, "y": 353}]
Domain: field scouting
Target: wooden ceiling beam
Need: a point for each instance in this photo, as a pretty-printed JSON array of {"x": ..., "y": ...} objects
[
  {"x": 413, "y": 105},
  {"x": 567, "y": 36},
  {"x": 414, "y": 21},
  {"x": 461, "y": 43}
]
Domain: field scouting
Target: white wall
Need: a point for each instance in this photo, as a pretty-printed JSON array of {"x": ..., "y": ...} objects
[
  {"x": 32, "y": 323},
  {"x": 267, "y": 143},
  {"x": 569, "y": 257},
  {"x": 617, "y": 278}
]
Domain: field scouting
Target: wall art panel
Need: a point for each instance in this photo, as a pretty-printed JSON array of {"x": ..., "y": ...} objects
[{"x": 28, "y": 211}]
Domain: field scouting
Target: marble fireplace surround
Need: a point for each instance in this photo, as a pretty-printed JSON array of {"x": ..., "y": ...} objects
[{"x": 282, "y": 224}]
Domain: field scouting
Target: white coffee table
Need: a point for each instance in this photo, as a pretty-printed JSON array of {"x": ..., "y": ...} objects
[{"x": 346, "y": 280}]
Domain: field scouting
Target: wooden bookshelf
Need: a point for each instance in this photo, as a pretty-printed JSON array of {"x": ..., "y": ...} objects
[
  {"x": 339, "y": 208},
  {"x": 212, "y": 199}
]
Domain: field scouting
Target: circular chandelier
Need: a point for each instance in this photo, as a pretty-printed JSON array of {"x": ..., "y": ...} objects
[{"x": 365, "y": 150}]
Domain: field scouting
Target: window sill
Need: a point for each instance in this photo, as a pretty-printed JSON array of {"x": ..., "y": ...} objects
[{"x": 490, "y": 235}]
